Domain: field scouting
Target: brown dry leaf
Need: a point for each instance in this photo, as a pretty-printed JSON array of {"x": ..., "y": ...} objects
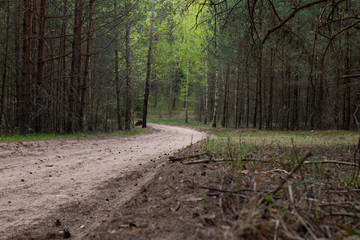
[
  {"x": 273, "y": 210},
  {"x": 165, "y": 195},
  {"x": 245, "y": 171},
  {"x": 225, "y": 228},
  {"x": 244, "y": 211},
  {"x": 194, "y": 199}
]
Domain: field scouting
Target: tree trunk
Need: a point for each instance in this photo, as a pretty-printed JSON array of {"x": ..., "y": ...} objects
[
  {"x": 347, "y": 93},
  {"x": 117, "y": 77},
  {"x": 148, "y": 68},
  {"x": 247, "y": 100},
  {"x": 226, "y": 96},
  {"x": 206, "y": 113},
  {"x": 40, "y": 70},
  {"x": 128, "y": 72},
  {"x": 187, "y": 82},
  {"x": 75, "y": 68},
  {"x": 5, "y": 67},
  {"x": 27, "y": 70},
  {"x": 270, "y": 103},
  {"x": 216, "y": 81},
  {"x": 87, "y": 67}
]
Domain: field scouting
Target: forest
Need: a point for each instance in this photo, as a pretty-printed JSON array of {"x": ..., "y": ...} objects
[{"x": 71, "y": 66}]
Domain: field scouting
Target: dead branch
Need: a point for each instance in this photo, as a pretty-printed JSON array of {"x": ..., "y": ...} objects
[
  {"x": 179, "y": 159},
  {"x": 332, "y": 161},
  {"x": 306, "y": 156},
  {"x": 226, "y": 191},
  {"x": 277, "y": 170},
  {"x": 226, "y": 160},
  {"x": 352, "y": 76}
]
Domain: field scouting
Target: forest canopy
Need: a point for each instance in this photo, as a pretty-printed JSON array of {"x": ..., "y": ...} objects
[{"x": 87, "y": 65}]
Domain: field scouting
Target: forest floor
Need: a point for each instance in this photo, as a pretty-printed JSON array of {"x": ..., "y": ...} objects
[{"x": 244, "y": 184}]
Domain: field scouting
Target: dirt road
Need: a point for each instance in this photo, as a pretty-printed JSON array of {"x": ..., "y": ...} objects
[{"x": 38, "y": 178}]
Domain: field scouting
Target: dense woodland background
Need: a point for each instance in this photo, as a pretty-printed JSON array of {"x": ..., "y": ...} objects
[{"x": 87, "y": 65}]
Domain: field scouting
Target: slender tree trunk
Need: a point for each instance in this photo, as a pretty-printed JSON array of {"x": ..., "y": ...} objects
[
  {"x": 270, "y": 103},
  {"x": 62, "y": 67},
  {"x": 117, "y": 76},
  {"x": 18, "y": 74},
  {"x": 5, "y": 67},
  {"x": 206, "y": 94},
  {"x": 226, "y": 96},
  {"x": 148, "y": 68},
  {"x": 247, "y": 95},
  {"x": 40, "y": 69},
  {"x": 216, "y": 81},
  {"x": 75, "y": 68},
  {"x": 347, "y": 92},
  {"x": 237, "y": 113},
  {"x": 187, "y": 83},
  {"x": 128, "y": 72},
  {"x": 27, "y": 70},
  {"x": 259, "y": 86},
  {"x": 87, "y": 67}
]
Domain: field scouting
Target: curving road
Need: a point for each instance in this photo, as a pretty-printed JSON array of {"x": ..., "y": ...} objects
[{"x": 38, "y": 177}]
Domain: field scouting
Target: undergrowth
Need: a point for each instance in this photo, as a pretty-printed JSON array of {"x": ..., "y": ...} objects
[{"x": 273, "y": 188}]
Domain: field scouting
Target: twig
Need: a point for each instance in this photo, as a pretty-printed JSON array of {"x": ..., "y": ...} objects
[
  {"x": 225, "y": 160},
  {"x": 305, "y": 225},
  {"x": 277, "y": 170},
  {"x": 344, "y": 215},
  {"x": 334, "y": 162},
  {"x": 344, "y": 191},
  {"x": 306, "y": 156},
  {"x": 229, "y": 191},
  {"x": 178, "y": 159}
]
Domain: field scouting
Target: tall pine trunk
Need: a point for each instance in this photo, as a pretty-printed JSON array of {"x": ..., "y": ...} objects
[
  {"x": 75, "y": 69},
  {"x": 5, "y": 67},
  {"x": 87, "y": 67},
  {"x": 127, "y": 71},
  {"x": 148, "y": 68},
  {"x": 27, "y": 69}
]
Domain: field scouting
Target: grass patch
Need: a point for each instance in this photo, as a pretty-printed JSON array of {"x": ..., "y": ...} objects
[
  {"x": 42, "y": 137},
  {"x": 180, "y": 122},
  {"x": 287, "y": 139}
]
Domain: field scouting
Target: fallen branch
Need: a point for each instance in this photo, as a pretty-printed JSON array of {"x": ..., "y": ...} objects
[
  {"x": 334, "y": 162},
  {"x": 226, "y": 191},
  {"x": 178, "y": 159},
  {"x": 225, "y": 160},
  {"x": 344, "y": 191},
  {"x": 306, "y": 156},
  {"x": 277, "y": 170}
]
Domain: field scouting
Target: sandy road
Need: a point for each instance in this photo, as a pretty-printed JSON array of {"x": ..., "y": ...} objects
[{"x": 38, "y": 177}]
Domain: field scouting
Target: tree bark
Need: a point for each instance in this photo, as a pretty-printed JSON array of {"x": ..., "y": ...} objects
[
  {"x": 27, "y": 70},
  {"x": 128, "y": 71},
  {"x": 75, "y": 68},
  {"x": 5, "y": 67},
  {"x": 148, "y": 68},
  {"x": 40, "y": 69},
  {"x": 226, "y": 97},
  {"x": 117, "y": 77},
  {"x": 87, "y": 67},
  {"x": 187, "y": 82},
  {"x": 270, "y": 103}
]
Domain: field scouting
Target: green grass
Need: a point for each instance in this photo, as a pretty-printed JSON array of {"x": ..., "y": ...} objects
[
  {"x": 39, "y": 137},
  {"x": 327, "y": 138},
  {"x": 179, "y": 122},
  {"x": 286, "y": 138}
]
